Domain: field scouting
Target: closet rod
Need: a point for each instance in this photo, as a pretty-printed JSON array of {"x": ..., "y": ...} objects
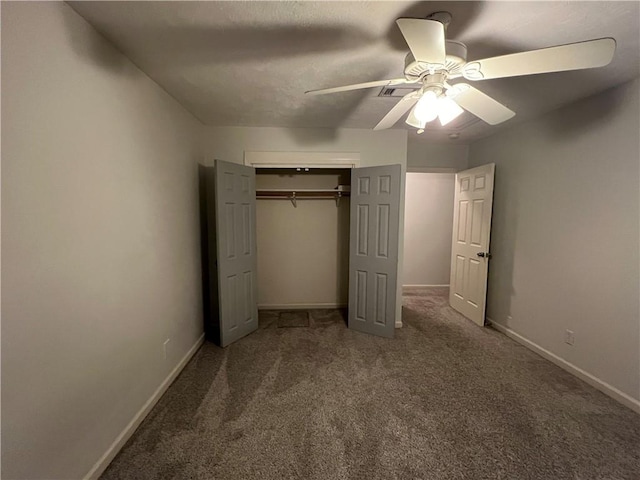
[
  {"x": 302, "y": 191},
  {"x": 294, "y": 195}
]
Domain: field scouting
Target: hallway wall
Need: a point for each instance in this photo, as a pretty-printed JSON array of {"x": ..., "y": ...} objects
[{"x": 428, "y": 227}]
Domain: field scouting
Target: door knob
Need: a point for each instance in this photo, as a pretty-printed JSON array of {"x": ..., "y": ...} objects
[{"x": 484, "y": 254}]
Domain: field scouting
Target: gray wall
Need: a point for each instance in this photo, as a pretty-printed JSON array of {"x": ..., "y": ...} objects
[
  {"x": 100, "y": 241},
  {"x": 375, "y": 148},
  {"x": 422, "y": 155},
  {"x": 428, "y": 226},
  {"x": 565, "y": 236}
]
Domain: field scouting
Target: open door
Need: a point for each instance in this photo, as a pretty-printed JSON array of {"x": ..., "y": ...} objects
[
  {"x": 373, "y": 249},
  {"x": 231, "y": 199},
  {"x": 470, "y": 244}
]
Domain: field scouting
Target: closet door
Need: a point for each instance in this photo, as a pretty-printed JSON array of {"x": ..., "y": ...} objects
[
  {"x": 373, "y": 249},
  {"x": 235, "y": 210}
]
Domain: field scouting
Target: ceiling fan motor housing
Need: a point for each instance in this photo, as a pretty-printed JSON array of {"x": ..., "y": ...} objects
[
  {"x": 434, "y": 82},
  {"x": 456, "y": 58}
]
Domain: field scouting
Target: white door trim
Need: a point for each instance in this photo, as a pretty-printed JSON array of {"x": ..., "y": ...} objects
[{"x": 302, "y": 159}]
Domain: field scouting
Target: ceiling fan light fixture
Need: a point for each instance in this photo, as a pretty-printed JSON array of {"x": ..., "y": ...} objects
[
  {"x": 413, "y": 121},
  {"x": 448, "y": 110},
  {"x": 426, "y": 110},
  {"x": 431, "y": 106}
]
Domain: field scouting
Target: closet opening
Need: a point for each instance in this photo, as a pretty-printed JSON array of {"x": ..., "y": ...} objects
[
  {"x": 302, "y": 243},
  {"x": 285, "y": 238}
]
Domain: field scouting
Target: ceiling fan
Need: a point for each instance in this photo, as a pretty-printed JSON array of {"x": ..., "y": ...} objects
[{"x": 433, "y": 61}]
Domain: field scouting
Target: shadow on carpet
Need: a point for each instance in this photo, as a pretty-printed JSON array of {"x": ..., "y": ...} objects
[{"x": 444, "y": 399}]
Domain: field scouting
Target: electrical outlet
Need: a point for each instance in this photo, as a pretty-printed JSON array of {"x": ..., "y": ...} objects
[
  {"x": 569, "y": 337},
  {"x": 165, "y": 346}
]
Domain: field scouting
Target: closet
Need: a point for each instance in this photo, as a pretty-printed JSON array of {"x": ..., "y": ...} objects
[
  {"x": 302, "y": 237},
  {"x": 295, "y": 211}
]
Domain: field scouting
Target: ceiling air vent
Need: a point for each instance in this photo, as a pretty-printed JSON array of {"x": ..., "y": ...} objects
[{"x": 395, "y": 91}]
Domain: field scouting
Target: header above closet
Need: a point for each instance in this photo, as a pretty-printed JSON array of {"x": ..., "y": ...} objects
[{"x": 302, "y": 159}]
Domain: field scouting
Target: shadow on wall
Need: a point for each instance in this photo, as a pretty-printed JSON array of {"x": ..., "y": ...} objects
[
  {"x": 504, "y": 228},
  {"x": 312, "y": 136},
  {"x": 330, "y": 113},
  {"x": 576, "y": 122},
  {"x": 93, "y": 48}
]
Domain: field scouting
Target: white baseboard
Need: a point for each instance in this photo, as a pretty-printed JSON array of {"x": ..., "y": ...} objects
[
  {"x": 300, "y": 306},
  {"x": 613, "y": 392},
  {"x": 102, "y": 464}
]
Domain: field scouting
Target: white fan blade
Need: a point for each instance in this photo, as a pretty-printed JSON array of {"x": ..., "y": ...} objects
[
  {"x": 400, "y": 108},
  {"x": 425, "y": 39},
  {"x": 481, "y": 105},
  {"x": 356, "y": 86},
  {"x": 575, "y": 56}
]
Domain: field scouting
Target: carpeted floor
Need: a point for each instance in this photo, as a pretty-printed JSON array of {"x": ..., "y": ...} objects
[{"x": 444, "y": 399}]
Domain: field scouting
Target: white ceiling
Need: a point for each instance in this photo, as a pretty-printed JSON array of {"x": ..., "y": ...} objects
[{"x": 249, "y": 63}]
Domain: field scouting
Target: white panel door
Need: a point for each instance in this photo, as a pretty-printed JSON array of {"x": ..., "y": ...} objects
[
  {"x": 235, "y": 210},
  {"x": 470, "y": 244},
  {"x": 373, "y": 249}
]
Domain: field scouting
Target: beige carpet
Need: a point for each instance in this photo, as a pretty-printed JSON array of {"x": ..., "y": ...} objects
[{"x": 444, "y": 399}]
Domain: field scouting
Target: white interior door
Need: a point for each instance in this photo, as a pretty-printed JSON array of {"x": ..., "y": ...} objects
[
  {"x": 373, "y": 249},
  {"x": 235, "y": 211},
  {"x": 470, "y": 244}
]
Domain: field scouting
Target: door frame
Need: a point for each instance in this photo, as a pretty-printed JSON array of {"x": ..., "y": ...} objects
[
  {"x": 275, "y": 167},
  {"x": 332, "y": 160},
  {"x": 431, "y": 170}
]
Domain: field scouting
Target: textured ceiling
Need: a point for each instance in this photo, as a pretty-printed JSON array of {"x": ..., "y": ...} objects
[{"x": 249, "y": 63}]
